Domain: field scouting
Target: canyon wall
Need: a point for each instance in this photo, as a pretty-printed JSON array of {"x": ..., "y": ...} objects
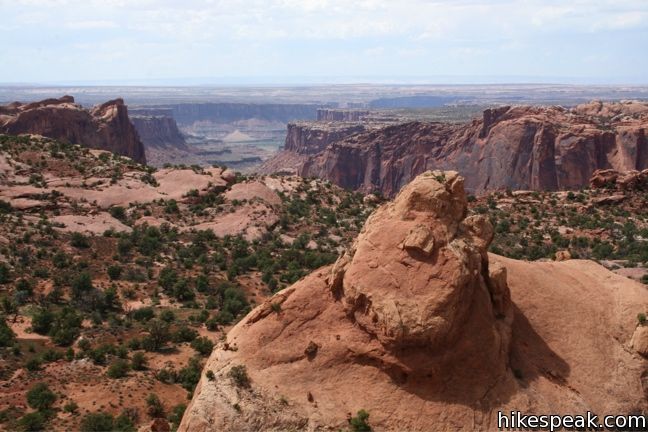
[
  {"x": 326, "y": 114},
  {"x": 106, "y": 126},
  {"x": 540, "y": 148},
  {"x": 312, "y": 138},
  {"x": 158, "y": 131}
]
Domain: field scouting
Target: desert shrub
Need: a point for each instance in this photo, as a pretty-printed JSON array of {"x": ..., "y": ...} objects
[
  {"x": 118, "y": 212},
  {"x": 158, "y": 335},
  {"x": 66, "y": 327},
  {"x": 33, "y": 364},
  {"x": 211, "y": 324},
  {"x": 5, "y": 273},
  {"x": 61, "y": 260},
  {"x": 32, "y": 422},
  {"x": 145, "y": 313},
  {"x": 71, "y": 407},
  {"x": 97, "y": 422},
  {"x": 5, "y": 207},
  {"x": 79, "y": 240},
  {"x": 224, "y": 317},
  {"x": 118, "y": 369},
  {"x": 602, "y": 250},
  {"x": 167, "y": 376},
  {"x": 184, "y": 334},
  {"x": 167, "y": 278},
  {"x": 114, "y": 272},
  {"x": 171, "y": 207},
  {"x": 81, "y": 284},
  {"x": 189, "y": 375},
  {"x": 167, "y": 315},
  {"x": 359, "y": 422},
  {"x": 40, "y": 397},
  {"x": 182, "y": 290},
  {"x": 154, "y": 406},
  {"x": 124, "y": 423},
  {"x": 202, "y": 283},
  {"x": 138, "y": 361},
  {"x": 202, "y": 345},
  {"x": 42, "y": 321},
  {"x": 239, "y": 376},
  {"x": 175, "y": 416},
  {"x": 641, "y": 318},
  {"x": 7, "y": 336}
]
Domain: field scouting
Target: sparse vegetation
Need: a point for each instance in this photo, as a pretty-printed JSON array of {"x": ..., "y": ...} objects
[
  {"x": 239, "y": 376},
  {"x": 359, "y": 423},
  {"x": 121, "y": 299}
]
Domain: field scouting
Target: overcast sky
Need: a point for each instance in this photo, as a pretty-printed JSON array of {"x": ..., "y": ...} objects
[{"x": 194, "y": 41}]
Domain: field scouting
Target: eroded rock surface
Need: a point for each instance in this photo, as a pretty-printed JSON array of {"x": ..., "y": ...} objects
[
  {"x": 522, "y": 147},
  {"x": 422, "y": 328},
  {"x": 105, "y": 127}
]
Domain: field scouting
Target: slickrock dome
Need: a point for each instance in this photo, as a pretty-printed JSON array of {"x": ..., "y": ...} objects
[{"x": 417, "y": 327}]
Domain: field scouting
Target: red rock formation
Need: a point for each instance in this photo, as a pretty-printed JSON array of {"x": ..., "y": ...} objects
[
  {"x": 629, "y": 180},
  {"x": 522, "y": 147},
  {"x": 416, "y": 324},
  {"x": 309, "y": 138},
  {"x": 105, "y": 127}
]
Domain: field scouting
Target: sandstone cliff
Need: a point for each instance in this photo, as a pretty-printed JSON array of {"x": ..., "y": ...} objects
[
  {"x": 540, "y": 148},
  {"x": 158, "y": 131},
  {"x": 105, "y": 127},
  {"x": 312, "y": 138},
  {"x": 419, "y": 326},
  {"x": 329, "y": 114}
]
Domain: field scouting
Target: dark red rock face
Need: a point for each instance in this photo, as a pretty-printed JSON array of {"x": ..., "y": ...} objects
[
  {"x": 524, "y": 147},
  {"x": 104, "y": 127}
]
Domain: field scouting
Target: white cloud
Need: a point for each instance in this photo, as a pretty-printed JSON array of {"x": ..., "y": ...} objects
[
  {"x": 91, "y": 24},
  {"x": 215, "y": 36}
]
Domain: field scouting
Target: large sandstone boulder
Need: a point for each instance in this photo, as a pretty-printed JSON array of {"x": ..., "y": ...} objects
[
  {"x": 408, "y": 316},
  {"x": 418, "y": 325}
]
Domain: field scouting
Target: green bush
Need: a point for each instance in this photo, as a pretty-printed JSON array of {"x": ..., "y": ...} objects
[
  {"x": 97, "y": 422},
  {"x": 32, "y": 422},
  {"x": 155, "y": 407},
  {"x": 138, "y": 361},
  {"x": 145, "y": 313},
  {"x": 359, "y": 422},
  {"x": 5, "y": 207},
  {"x": 114, "y": 272},
  {"x": 239, "y": 375},
  {"x": 203, "y": 346},
  {"x": 40, "y": 397},
  {"x": 118, "y": 212},
  {"x": 78, "y": 240},
  {"x": 118, "y": 369},
  {"x": 7, "y": 336},
  {"x": 5, "y": 273}
]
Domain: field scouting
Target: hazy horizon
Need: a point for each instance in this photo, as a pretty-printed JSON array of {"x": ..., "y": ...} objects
[{"x": 292, "y": 42}]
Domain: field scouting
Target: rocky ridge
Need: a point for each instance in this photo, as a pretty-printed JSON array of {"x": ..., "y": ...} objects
[
  {"x": 105, "y": 127},
  {"x": 522, "y": 147}
]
